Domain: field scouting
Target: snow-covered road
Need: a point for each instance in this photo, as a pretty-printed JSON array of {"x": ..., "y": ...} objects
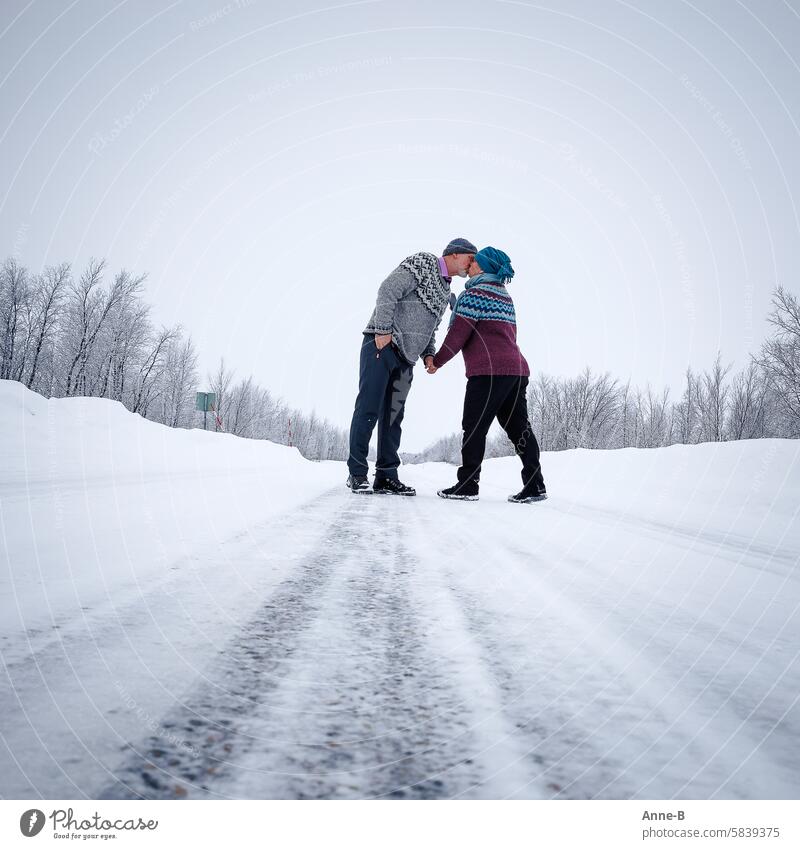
[{"x": 367, "y": 646}]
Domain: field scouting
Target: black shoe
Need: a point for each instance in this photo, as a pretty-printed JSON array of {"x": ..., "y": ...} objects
[
  {"x": 392, "y": 486},
  {"x": 358, "y": 484},
  {"x": 528, "y": 496},
  {"x": 459, "y": 492}
]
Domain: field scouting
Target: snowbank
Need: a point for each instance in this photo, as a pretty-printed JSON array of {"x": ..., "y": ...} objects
[
  {"x": 95, "y": 499},
  {"x": 747, "y": 491}
]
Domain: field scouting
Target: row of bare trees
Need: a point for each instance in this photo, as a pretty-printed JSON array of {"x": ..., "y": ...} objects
[
  {"x": 598, "y": 411},
  {"x": 248, "y": 410},
  {"x": 64, "y": 336}
]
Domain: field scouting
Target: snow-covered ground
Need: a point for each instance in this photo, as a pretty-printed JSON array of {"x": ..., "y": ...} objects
[{"x": 185, "y": 614}]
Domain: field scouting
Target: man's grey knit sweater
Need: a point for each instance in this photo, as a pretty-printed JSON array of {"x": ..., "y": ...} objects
[{"x": 410, "y": 305}]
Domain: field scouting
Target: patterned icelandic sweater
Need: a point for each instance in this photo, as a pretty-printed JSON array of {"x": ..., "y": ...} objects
[
  {"x": 410, "y": 305},
  {"x": 484, "y": 327}
]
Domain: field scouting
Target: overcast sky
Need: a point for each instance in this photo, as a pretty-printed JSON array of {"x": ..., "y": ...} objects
[{"x": 269, "y": 163}]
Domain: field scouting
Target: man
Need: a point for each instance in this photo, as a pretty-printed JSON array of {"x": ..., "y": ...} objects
[{"x": 410, "y": 305}]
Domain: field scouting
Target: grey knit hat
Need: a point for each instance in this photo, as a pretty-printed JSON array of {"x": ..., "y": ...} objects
[{"x": 460, "y": 246}]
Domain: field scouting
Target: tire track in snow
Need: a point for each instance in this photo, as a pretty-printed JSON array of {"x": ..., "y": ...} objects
[
  {"x": 132, "y": 601},
  {"x": 202, "y": 735},
  {"x": 357, "y": 678},
  {"x": 376, "y": 717},
  {"x": 558, "y": 682},
  {"x": 697, "y": 660},
  {"x": 77, "y": 698},
  {"x": 404, "y": 715},
  {"x": 522, "y": 669}
]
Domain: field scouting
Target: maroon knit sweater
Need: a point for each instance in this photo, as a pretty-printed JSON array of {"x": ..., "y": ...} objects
[{"x": 489, "y": 347}]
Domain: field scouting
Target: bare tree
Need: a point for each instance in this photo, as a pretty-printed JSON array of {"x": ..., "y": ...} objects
[
  {"x": 14, "y": 303},
  {"x": 749, "y": 404},
  {"x": 240, "y": 410},
  {"x": 654, "y": 418},
  {"x": 220, "y": 384},
  {"x": 92, "y": 312},
  {"x": 780, "y": 357},
  {"x": 50, "y": 289},
  {"x": 712, "y": 402},
  {"x": 148, "y": 382},
  {"x": 125, "y": 342},
  {"x": 687, "y": 413},
  {"x": 179, "y": 378}
]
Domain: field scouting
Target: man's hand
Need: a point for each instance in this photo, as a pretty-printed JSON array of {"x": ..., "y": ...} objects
[
  {"x": 429, "y": 366},
  {"x": 381, "y": 341}
]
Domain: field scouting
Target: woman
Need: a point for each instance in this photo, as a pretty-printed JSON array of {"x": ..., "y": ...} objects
[{"x": 483, "y": 327}]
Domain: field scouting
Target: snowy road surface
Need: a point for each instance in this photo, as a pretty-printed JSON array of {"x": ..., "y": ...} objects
[{"x": 375, "y": 646}]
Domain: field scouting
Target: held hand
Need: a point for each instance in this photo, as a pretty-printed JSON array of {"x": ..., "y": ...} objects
[
  {"x": 429, "y": 366},
  {"x": 381, "y": 341}
]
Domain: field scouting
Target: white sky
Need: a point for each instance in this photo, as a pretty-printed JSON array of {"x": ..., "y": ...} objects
[{"x": 268, "y": 163}]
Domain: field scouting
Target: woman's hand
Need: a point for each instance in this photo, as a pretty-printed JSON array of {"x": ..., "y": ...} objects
[{"x": 429, "y": 366}]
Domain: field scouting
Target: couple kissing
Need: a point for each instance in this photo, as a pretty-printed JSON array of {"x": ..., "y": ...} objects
[{"x": 402, "y": 328}]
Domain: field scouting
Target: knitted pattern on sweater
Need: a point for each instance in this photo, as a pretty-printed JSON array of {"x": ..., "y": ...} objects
[
  {"x": 484, "y": 301},
  {"x": 483, "y": 327},
  {"x": 431, "y": 289}
]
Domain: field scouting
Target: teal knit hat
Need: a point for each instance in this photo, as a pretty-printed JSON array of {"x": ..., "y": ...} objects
[{"x": 494, "y": 261}]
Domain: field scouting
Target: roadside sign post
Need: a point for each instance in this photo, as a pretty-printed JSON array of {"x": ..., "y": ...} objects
[{"x": 205, "y": 401}]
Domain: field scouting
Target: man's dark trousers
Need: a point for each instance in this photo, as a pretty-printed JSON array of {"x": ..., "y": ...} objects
[
  {"x": 383, "y": 385},
  {"x": 503, "y": 397}
]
